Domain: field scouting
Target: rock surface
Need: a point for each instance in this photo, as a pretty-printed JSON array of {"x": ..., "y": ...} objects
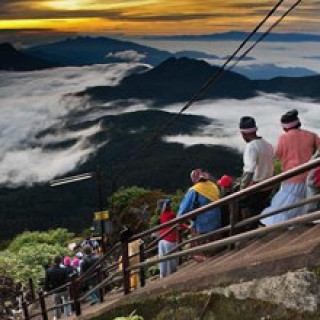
[{"x": 299, "y": 290}]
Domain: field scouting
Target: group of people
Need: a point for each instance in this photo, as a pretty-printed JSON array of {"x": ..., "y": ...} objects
[
  {"x": 295, "y": 147},
  {"x": 62, "y": 271}
]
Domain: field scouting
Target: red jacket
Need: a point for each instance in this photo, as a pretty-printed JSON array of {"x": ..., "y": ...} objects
[{"x": 165, "y": 217}]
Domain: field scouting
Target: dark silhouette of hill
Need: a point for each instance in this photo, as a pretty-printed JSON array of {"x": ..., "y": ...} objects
[
  {"x": 176, "y": 80},
  {"x": 193, "y": 54},
  {"x": 81, "y": 51},
  {"x": 307, "y": 87},
  {"x": 270, "y": 71},
  {"x": 13, "y": 60},
  {"x": 164, "y": 166}
]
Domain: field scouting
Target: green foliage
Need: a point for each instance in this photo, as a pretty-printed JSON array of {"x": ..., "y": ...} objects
[
  {"x": 31, "y": 252},
  {"x": 135, "y": 206},
  {"x": 53, "y": 237},
  {"x": 125, "y": 196},
  {"x": 13, "y": 266}
]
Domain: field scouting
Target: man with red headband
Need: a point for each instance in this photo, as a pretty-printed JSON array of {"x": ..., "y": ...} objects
[{"x": 295, "y": 147}]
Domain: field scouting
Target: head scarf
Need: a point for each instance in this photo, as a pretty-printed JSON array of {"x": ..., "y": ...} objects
[{"x": 197, "y": 174}]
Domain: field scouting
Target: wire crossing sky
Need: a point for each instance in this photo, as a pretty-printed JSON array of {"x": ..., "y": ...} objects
[{"x": 146, "y": 17}]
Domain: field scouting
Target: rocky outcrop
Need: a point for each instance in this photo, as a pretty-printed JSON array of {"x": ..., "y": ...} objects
[{"x": 299, "y": 290}]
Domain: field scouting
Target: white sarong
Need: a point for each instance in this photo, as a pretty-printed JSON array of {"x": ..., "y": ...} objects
[{"x": 288, "y": 194}]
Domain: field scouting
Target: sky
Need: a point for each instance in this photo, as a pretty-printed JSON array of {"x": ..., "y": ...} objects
[{"x": 47, "y": 19}]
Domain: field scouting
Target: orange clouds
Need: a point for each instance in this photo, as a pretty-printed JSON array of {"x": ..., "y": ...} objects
[{"x": 146, "y": 16}]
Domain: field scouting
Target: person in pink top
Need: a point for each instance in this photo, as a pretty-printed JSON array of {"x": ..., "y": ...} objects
[{"x": 295, "y": 147}]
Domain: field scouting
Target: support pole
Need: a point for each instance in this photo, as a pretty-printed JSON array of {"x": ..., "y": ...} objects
[
  {"x": 31, "y": 288},
  {"x": 43, "y": 306},
  {"x": 100, "y": 179},
  {"x": 142, "y": 259},
  {"x": 25, "y": 310},
  {"x": 124, "y": 237}
]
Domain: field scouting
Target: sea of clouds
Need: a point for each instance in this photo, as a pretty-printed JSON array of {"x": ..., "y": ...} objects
[
  {"x": 31, "y": 102},
  {"x": 266, "y": 109}
]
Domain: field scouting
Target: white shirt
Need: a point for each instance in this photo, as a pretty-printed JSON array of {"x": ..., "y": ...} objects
[{"x": 258, "y": 159}]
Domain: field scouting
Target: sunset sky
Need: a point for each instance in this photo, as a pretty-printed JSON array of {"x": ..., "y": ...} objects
[{"x": 49, "y": 18}]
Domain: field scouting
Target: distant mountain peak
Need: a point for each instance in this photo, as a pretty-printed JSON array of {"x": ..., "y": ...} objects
[
  {"x": 86, "y": 50},
  {"x": 12, "y": 59},
  {"x": 7, "y": 46}
]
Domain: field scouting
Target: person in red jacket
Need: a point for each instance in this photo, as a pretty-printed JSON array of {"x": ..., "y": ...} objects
[{"x": 168, "y": 242}]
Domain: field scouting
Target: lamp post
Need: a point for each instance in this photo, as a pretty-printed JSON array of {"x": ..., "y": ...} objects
[{"x": 99, "y": 175}]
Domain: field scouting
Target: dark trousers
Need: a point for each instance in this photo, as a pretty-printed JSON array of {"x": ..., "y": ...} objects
[{"x": 252, "y": 206}]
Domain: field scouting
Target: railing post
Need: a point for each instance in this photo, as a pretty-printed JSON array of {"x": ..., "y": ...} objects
[
  {"x": 31, "y": 288},
  {"x": 74, "y": 294},
  {"x": 100, "y": 279},
  {"x": 142, "y": 258},
  {"x": 124, "y": 237},
  {"x": 25, "y": 310},
  {"x": 43, "y": 306},
  {"x": 233, "y": 210}
]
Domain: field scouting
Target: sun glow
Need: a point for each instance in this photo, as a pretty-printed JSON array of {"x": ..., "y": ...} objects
[
  {"x": 70, "y": 23},
  {"x": 67, "y": 4}
]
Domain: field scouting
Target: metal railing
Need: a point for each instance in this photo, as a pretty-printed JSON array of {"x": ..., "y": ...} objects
[{"x": 99, "y": 269}]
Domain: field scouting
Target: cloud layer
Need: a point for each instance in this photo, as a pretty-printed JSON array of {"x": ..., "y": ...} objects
[
  {"x": 127, "y": 55},
  {"x": 266, "y": 109},
  {"x": 32, "y": 102}
]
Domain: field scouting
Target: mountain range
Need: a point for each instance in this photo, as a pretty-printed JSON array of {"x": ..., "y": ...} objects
[
  {"x": 240, "y": 36},
  {"x": 81, "y": 51},
  {"x": 13, "y": 60},
  {"x": 176, "y": 80}
]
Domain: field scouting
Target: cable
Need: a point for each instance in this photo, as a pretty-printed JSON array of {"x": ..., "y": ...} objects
[
  {"x": 148, "y": 142},
  {"x": 264, "y": 34}
]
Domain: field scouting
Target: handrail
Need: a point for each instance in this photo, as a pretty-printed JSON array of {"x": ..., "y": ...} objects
[
  {"x": 100, "y": 285},
  {"x": 155, "y": 241},
  {"x": 49, "y": 293},
  {"x": 235, "y": 196},
  {"x": 230, "y": 240},
  {"x": 209, "y": 246},
  {"x": 99, "y": 261},
  {"x": 246, "y": 222}
]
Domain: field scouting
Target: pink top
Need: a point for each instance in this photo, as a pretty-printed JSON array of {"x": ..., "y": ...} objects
[{"x": 294, "y": 148}]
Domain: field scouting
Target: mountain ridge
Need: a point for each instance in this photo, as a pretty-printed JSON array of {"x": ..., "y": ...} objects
[
  {"x": 85, "y": 50},
  {"x": 176, "y": 79},
  {"x": 239, "y": 35},
  {"x": 12, "y": 59}
]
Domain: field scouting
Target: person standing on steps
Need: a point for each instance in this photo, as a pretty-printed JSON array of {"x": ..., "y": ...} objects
[
  {"x": 169, "y": 241},
  {"x": 88, "y": 261},
  {"x": 258, "y": 165},
  {"x": 201, "y": 193},
  {"x": 57, "y": 276},
  {"x": 295, "y": 147}
]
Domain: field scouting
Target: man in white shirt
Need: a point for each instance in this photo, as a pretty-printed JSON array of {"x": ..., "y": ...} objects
[{"x": 257, "y": 166}]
